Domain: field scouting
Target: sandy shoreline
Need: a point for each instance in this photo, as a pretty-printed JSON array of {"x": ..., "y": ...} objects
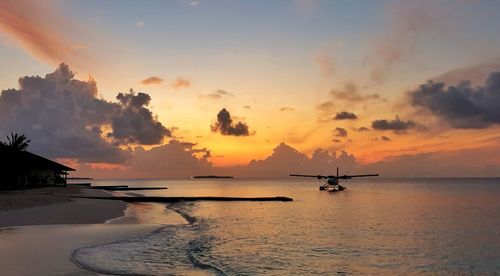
[
  {"x": 42, "y": 207},
  {"x": 41, "y": 229}
]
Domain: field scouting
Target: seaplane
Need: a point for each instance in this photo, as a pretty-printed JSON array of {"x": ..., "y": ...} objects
[{"x": 332, "y": 181}]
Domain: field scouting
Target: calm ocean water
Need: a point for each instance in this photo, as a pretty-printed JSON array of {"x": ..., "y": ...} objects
[{"x": 377, "y": 226}]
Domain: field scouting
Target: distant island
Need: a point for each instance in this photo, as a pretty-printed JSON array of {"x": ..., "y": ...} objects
[{"x": 210, "y": 176}]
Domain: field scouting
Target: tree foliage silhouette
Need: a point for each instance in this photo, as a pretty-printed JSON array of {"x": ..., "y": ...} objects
[{"x": 18, "y": 142}]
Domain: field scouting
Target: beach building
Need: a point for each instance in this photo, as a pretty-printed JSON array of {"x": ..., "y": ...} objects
[{"x": 20, "y": 169}]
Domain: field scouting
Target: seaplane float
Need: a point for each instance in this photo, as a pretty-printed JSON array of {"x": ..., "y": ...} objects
[{"x": 332, "y": 182}]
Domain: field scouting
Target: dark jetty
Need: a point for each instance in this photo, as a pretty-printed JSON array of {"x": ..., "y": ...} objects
[
  {"x": 108, "y": 187},
  {"x": 211, "y": 176},
  {"x": 125, "y": 188},
  {"x": 80, "y": 184},
  {"x": 185, "y": 198}
]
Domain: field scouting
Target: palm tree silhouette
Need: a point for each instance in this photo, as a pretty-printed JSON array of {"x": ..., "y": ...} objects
[{"x": 18, "y": 142}]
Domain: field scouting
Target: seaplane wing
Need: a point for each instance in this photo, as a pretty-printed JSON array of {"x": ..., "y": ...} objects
[
  {"x": 362, "y": 175},
  {"x": 309, "y": 175}
]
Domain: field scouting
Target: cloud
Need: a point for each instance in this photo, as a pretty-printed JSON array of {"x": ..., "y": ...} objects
[
  {"x": 246, "y": 107},
  {"x": 179, "y": 83},
  {"x": 219, "y": 94},
  {"x": 176, "y": 159},
  {"x": 462, "y": 106},
  {"x": 287, "y": 109},
  {"x": 65, "y": 119},
  {"x": 325, "y": 62},
  {"x": 344, "y": 115},
  {"x": 350, "y": 94},
  {"x": 409, "y": 24},
  {"x": 41, "y": 31},
  {"x": 476, "y": 73},
  {"x": 385, "y": 138},
  {"x": 285, "y": 160},
  {"x": 140, "y": 24},
  {"x": 362, "y": 129},
  {"x": 397, "y": 126},
  {"x": 152, "y": 80},
  {"x": 134, "y": 122},
  {"x": 336, "y": 141},
  {"x": 226, "y": 126},
  {"x": 324, "y": 111},
  {"x": 340, "y": 132}
]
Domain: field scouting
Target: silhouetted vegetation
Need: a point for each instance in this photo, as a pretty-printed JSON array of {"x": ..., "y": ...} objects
[{"x": 18, "y": 142}]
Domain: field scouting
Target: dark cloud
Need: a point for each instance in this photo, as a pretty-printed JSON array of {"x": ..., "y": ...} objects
[
  {"x": 64, "y": 118},
  {"x": 397, "y": 126},
  {"x": 225, "y": 125},
  {"x": 181, "y": 83},
  {"x": 362, "y": 129},
  {"x": 336, "y": 141},
  {"x": 344, "y": 115},
  {"x": 219, "y": 94},
  {"x": 246, "y": 107},
  {"x": 286, "y": 108},
  {"x": 340, "y": 132},
  {"x": 134, "y": 122},
  {"x": 385, "y": 138},
  {"x": 152, "y": 80},
  {"x": 462, "y": 106}
]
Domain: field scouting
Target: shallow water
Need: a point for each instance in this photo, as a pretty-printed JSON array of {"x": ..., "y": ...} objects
[{"x": 377, "y": 226}]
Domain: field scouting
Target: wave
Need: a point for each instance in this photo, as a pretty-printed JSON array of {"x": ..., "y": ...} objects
[{"x": 169, "y": 250}]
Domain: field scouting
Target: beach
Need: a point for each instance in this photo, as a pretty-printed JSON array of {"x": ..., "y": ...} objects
[{"x": 41, "y": 227}]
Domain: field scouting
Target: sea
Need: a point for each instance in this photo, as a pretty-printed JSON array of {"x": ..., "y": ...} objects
[{"x": 376, "y": 226}]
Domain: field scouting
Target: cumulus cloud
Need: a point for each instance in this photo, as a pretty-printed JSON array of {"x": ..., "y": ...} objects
[
  {"x": 397, "y": 125},
  {"x": 41, "y": 31},
  {"x": 134, "y": 123},
  {"x": 64, "y": 118},
  {"x": 179, "y": 83},
  {"x": 152, "y": 80},
  {"x": 344, "y": 115},
  {"x": 219, "y": 94},
  {"x": 340, "y": 132},
  {"x": 286, "y": 159},
  {"x": 176, "y": 159},
  {"x": 226, "y": 126},
  {"x": 462, "y": 106}
]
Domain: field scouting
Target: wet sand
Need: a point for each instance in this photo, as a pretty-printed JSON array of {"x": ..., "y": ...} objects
[{"x": 46, "y": 249}]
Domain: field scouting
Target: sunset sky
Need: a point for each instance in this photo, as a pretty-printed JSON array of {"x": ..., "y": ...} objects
[{"x": 254, "y": 88}]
